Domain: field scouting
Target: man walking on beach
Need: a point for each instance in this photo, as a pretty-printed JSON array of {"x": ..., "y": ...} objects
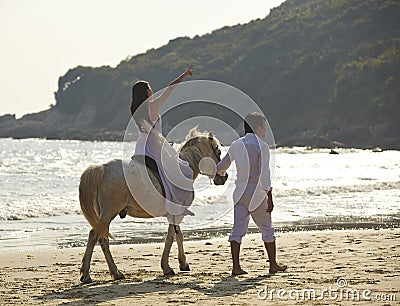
[{"x": 253, "y": 192}]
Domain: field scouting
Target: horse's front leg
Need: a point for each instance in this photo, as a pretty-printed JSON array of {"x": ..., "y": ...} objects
[
  {"x": 183, "y": 265},
  {"x": 167, "y": 249},
  {"x": 85, "y": 268}
]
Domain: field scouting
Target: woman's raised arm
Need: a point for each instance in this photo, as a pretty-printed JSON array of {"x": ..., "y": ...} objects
[{"x": 156, "y": 104}]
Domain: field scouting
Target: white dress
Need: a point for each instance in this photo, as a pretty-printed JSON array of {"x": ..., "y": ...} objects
[{"x": 175, "y": 173}]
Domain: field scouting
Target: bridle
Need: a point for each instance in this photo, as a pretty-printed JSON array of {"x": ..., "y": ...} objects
[
  {"x": 215, "y": 154},
  {"x": 214, "y": 150}
]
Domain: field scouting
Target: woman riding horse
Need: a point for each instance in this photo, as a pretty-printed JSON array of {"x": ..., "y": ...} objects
[
  {"x": 104, "y": 190},
  {"x": 175, "y": 174}
]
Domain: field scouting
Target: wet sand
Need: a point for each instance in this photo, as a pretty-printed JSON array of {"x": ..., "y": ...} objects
[{"x": 363, "y": 261}]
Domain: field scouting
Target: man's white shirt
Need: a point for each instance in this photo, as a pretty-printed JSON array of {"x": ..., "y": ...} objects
[{"x": 251, "y": 155}]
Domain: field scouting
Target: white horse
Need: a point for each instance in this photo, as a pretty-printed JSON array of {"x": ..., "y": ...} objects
[{"x": 104, "y": 193}]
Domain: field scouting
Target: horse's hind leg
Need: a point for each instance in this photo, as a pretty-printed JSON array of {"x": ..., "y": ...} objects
[
  {"x": 105, "y": 246},
  {"x": 183, "y": 265},
  {"x": 167, "y": 248},
  {"x": 85, "y": 268}
]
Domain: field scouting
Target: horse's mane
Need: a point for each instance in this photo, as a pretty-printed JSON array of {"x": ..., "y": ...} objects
[
  {"x": 194, "y": 136},
  {"x": 189, "y": 151},
  {"x": 194, "y": 132}
]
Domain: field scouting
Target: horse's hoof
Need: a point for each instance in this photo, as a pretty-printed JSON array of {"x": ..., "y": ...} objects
[
  {"x": 169, "y": 272},
  {"x": 86, "y": 280},
  {"x": 184, "y": 268},
  {"x": 122, "y": 213},
  {"x": 119, "y": 276}
]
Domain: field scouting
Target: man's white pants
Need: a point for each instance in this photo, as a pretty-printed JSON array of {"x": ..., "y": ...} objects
[{"x": 261, "y": 218}]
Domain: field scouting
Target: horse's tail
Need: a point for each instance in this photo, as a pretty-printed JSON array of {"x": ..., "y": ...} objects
[{"x": 91, "y": 180}]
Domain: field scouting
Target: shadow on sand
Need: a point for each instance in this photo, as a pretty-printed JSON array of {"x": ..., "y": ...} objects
[{"x": 98, "y": 292}]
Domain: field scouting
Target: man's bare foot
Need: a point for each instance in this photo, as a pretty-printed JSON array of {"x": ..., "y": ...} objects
[
  {"x": 277, "y": 268},
  {"x": 238, "y": 272}
]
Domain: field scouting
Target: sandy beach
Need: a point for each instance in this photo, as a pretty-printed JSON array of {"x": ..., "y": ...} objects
[{"x": 328, "y": 264}]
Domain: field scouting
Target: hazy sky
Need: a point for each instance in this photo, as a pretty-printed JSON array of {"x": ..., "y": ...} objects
[{"x": 41, "y": 39}]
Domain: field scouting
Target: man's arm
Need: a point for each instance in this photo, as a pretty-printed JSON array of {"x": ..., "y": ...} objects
[
  {"x": 270, "y": 201},
  {"x": 224, "y": 164},
  {"x": 265, "y": 175}
]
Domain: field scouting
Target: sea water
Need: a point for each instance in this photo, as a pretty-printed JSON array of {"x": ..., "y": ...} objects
[{"x": 39, "y": 204}]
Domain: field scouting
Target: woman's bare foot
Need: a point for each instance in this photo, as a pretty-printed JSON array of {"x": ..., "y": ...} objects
[
  {"x": 277, "y": 268},
  {"x": 238, "y": 272}
]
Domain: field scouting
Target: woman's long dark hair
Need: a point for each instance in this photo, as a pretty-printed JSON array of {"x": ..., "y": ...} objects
[{"x": 139, "y": 111}]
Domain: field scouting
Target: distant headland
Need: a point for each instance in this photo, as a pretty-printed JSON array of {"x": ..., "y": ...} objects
[{"x": 326, "y": 74}]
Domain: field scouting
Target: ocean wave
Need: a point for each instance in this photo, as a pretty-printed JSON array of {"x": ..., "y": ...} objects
[
  {"x": 210, "y": 199},
  {"x": 307, "y": 150},
  {"x": 328, "y": 190},
  {"x": 14, "y": 214}
]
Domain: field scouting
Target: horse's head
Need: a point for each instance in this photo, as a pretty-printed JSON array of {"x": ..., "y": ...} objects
[{"x": 207, "y": 149}]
